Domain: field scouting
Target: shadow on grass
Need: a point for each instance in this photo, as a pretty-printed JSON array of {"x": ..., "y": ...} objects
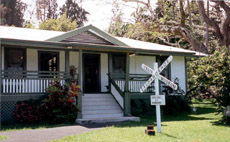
[
  {"x": 22, "y": 126},
  {"x": 186, "y": 116},
  {"x": 221, "y": 123},
  {"x": 169, "y": 136}
]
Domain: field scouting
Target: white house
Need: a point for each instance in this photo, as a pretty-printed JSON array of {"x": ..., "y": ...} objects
[{"x": 109, "y": 68}]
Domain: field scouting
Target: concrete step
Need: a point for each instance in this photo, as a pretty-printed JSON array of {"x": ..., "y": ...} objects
[
  {"x": 92, "y": 112},
  {"x": 96, "y": 95},
  {"x": 102, "y": 103},
  {"x": 107, "y": 120},
  {"x": 85, "y": 108},
  {"x": 97, "y": 99},
  {"x": 95, "y": 106},
  {"x": 93, "y": 116}
]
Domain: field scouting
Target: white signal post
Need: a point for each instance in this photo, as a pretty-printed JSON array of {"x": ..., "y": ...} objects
[
  {"x": 158, "y": 99},
  {"x": 158, "y": 109}
]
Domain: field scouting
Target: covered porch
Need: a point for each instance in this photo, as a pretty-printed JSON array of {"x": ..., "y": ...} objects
[{"x": 27, "y": 80}]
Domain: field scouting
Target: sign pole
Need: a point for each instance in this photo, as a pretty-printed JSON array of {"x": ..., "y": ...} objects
[{"x": 158, "y": 110}]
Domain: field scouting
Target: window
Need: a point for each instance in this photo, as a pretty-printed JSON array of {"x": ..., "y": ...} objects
[
  {"x": 48, "y": 61},
  {"x": 119, "y": 63},
  {"x": 165, "y": 73},
  {"x": 15, "y": 59}
]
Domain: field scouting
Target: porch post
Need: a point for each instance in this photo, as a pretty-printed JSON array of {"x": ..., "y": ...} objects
[
  {"x": 186, "y": 71},
  {"x": 110, "y": 68},
  {"x": 0, "y": 86},
  {"x": 79, "y": 102},
  {"x": 67, "y": 61},
  {"x": 127, "y": 109}
]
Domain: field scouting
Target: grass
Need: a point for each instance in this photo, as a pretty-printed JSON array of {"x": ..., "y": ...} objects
[
  {"x": 201, "y": 126},
  {"x": 3, "y": 137}
]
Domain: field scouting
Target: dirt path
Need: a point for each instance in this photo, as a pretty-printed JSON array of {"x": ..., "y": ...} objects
[{"x": 48, "y": 134}]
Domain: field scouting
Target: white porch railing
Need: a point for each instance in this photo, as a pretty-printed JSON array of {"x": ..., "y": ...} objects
[
  {"x": 134, "y": 86},
  {"x": 16, "y": 82},
  {"x": 136, "y": 81}
]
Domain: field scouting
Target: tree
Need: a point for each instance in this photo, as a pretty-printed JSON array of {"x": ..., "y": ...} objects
[
  {"x": 29, "y": 25},
  {"x": 12, "y": 12},
  {"x": 221, "y": 30},
  {"x": 75, "y": 12},
  {"x": 3, "y": 10},
  {"x": 46, "y": 9},
  {"x": 52, "y": 9},
  {"x": 61, "y": 24},
  {"x": 116, "y": 21},
  {"x": 141, "y": 29},
  {"x": 209, "y": 77},
  {"x": 165, "y": 21}
]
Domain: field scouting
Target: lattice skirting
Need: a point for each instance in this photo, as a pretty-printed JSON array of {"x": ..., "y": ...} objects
[
  {"x": 7, "y": 108},
  {"x": 8, "y": 103}
]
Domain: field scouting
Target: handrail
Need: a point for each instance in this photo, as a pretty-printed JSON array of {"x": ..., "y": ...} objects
[
  {"x": 10, "y": 74},
  {"x": 119, "y": 96},
  {"x": 116, "y": 86},
  {"x": 132, "y": 77},
  {"x": 26, "y": 71}
]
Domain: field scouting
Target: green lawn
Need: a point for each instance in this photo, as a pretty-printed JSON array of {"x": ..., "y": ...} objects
[
  {"x": 3, "y": 137},
  {"x": 201, "y": 126}
]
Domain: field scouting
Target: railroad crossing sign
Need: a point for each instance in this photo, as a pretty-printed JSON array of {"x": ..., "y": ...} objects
[{"x": 158, "y": 99}]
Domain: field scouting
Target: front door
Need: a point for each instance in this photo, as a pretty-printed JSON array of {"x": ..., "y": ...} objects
[{"x": 91, "y": 73}]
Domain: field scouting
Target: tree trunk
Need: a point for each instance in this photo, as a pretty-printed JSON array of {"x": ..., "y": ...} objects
[
  {"x": 207, "y": 24},
  {"x": 189, "y": 12}
]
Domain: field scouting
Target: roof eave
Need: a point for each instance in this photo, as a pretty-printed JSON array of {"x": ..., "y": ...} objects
[{"x": 75, "y": 45}]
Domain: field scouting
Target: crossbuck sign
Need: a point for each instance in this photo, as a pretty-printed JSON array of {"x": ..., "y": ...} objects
[{"x": 158, "y": 99}]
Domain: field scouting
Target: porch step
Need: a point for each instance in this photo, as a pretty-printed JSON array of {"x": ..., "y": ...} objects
[
  {"x": 99, "y": 106},
  {"x": 97, "y": 99},
  {"x": 105, "y": 95},
  {"x": 106, "y": 120},
  {"x": 107, "y": 111},
  {"x": 85, "y": 108},
  {"x": 108, "y": 115},
  {"x": 99, "y": 103}
]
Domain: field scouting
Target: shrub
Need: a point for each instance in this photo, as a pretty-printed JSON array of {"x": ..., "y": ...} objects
[
  {"x": 175, "y": 104},
  {"x": 27, "y": 111},
  {"x": 209, "y": 78},
  {"x": 141, "y": 107},
  {"x": 60, "y": 103}
]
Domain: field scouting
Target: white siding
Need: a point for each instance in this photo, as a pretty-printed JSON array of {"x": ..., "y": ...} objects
[
  {"x": 137, "y": 61},
  {"x": 74, "y": 59},
  {"x": 32, "y": 59},
  {"x": 178, "y": 70},
  {"x": 104, "y": 72}
]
